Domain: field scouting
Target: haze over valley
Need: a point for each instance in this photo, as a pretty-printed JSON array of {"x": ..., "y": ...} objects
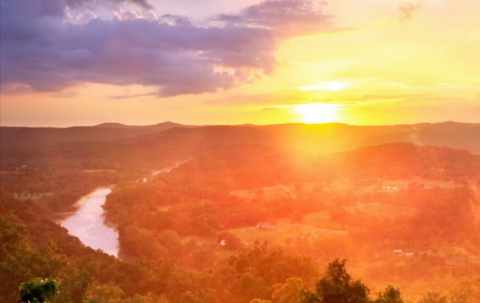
[{"x": 242, "y": 203}]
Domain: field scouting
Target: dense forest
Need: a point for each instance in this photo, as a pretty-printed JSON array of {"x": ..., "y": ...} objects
[{"x": 247, "y": 214}]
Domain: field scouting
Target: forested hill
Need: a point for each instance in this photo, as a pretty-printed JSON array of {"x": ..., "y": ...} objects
[
  {"x": 330, "y": 137},
  {"x": 246, "y": 220},
  {"x": 406, "y": 160},
  {"x": 159, "y": 127},
  {"x": 20, "y": 137},
  {"x": 116, "y": 146}
]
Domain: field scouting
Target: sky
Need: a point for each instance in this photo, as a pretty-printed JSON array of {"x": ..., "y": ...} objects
[{"x": 141, "y": 62}]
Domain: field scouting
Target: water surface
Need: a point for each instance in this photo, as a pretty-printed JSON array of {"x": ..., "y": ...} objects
[{"x": 87, "y": 223}]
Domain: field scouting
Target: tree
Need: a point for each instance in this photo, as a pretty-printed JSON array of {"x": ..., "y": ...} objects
[
  {"x": 433, "y": 297},
  {"x": 106, "y": 293},
  {"x": 38, "y": 290},
  {"x": 19, "y": 262},
  {"x": 391, "y": 295},
  {"x": 288, "y": 292},
  {"x": 307, "y": 296},
  {"x": 467, "y": 291},
  {"x": 337, "y": 286}
]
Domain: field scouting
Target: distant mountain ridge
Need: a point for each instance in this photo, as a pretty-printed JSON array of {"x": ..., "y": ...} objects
[
  {"x": 317, "y": 138},
  {"x": 144, "y": 146},
  {"x": 14, "y": 137},
  {"x": 111, "y": 125},
  {"x": 331, "y": 137},
  {"x": 161, "y": 126}
]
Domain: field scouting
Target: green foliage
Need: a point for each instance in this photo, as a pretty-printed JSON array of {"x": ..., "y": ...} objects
[
  {"x": 19, "y": 261},
  {"x": 167, "y": 225},
  {"x": 467, "y": 291},
  {"x": 337, "y": 286},
  {"x": 107, "y": 293},
  {"x": 306, "y": 296},
  {"x": 433, "y": 297},
  {"x": 38, "y": 290},
  {"x": 288, "y": 292},
  {"x": 390, "y": 295}
]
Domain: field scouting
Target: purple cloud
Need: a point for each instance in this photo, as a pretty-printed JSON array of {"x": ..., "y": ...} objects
[
  {"x": 130, "y": 96},
  {"x": 286, "y": 18},
  {"x": 277, "y": 98},
  {"x": 43, "y": 50}
]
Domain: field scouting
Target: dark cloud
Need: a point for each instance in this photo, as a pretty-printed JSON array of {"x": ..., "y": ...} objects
[
  {"x": 58, "y": 8},
  {"x": 74, "y": 4},
  {"x": 407, "y": 9},
  {"x": 286, "y": 18},
  {"x": 43, "y": 50},
  {"x": 173, "y": 54}
]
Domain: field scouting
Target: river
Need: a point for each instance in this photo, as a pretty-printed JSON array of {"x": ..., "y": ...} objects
[{"x": 87, "y": 223}]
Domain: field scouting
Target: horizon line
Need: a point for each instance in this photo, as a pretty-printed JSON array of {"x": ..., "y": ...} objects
[{"x": 240, "y": 124}]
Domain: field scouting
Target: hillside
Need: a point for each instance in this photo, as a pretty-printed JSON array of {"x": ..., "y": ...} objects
[
  {"x": 159, "y": 126},
  {"x": 15, "y": 137},
  {"x": 330, "y": 137},
  {"x": 246, "y": 208},
  {"x": 408, "y": 160},
  {"x": 116, "y": 146}
]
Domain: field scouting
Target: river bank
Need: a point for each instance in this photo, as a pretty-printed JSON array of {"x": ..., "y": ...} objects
[{"x": 88, "y": 223}]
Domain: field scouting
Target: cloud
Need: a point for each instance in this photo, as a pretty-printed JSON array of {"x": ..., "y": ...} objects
[
  {"x": 132, "y": 96},
  {"x": 240, "y": 99},
  {"x": 407, "y": 9},
  {"x": 127, "y": 15},
  {"x": 282, "y": 97},
  {"x": 74, "y": 4},
  {"x": 285, "y": 18},
  {"x": 383, "y": 97},
  {"x": 85, "y": 18},
  {"x": 171, "y": 53},
  {"x": 58, "y": 8},
  {"x": 44, "y": 50}
]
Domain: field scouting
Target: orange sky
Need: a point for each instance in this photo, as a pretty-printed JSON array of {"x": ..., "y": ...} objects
[{"x": 376, "y": 62}]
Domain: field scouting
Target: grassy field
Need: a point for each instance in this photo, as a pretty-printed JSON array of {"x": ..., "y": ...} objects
[
  {"x": 269, "y": 193},
  {"x": 393, "y": 185},
  {"x": 284, "y": 232},
  {"x": 383, "y": 210}
]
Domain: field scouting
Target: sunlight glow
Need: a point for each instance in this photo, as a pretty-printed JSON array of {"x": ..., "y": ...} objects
[
  {"x": 317, "y": 112},
  {"x": 325, "y": 86}
]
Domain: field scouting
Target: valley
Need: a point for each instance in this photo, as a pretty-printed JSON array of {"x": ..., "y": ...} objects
[{"x": 226, "y": 204}]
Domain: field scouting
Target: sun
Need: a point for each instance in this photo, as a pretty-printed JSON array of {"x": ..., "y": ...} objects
[{"x": 317, "y": 112}]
